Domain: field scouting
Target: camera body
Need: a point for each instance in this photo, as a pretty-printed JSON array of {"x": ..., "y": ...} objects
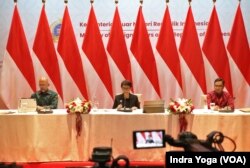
[{"x": 191, "y": 143}]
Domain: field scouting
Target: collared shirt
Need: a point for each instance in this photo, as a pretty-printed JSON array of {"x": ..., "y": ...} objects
[
  {"x": 222, "y": 100},
  {"x": 48, "y": 98}
]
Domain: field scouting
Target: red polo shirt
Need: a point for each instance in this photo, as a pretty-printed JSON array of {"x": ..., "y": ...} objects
[{"x": 222, "y": 100}]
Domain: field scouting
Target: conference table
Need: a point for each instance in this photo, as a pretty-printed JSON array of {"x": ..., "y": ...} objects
[{"x": 32, "y": 137}]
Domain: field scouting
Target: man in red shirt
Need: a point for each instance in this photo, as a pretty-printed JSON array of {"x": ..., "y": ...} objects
[{"x": 221, "y": 99}]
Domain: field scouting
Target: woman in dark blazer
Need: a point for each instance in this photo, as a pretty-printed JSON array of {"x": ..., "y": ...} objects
[{"x": 126, "y": 99}]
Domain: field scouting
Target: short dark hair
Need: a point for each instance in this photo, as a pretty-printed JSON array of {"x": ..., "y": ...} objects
[
  {"x": 219, "y": 80},
  {"x": 126, "y": 83}
]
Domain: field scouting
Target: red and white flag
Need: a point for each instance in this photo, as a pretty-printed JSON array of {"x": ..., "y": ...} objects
[
  {"x": 238, "y": 48},
  {"x": 44, "y": 50},
  {"x": 94, "y": 50},
  {"x": 142, "y": 51},
  {"x": 17, "y": 77},
  {"x": 117, "y": 47},
  {"x": 166, "y": 47},
  {"x": 68, "y": 49},
  {"x": 191, "y": 52},
  {"x": 215, "y": 51}
]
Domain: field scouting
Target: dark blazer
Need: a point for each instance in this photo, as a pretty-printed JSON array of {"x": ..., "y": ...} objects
[{"x": 128, "y": 103}]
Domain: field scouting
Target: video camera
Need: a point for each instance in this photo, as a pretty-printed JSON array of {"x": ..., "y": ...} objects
[
  {"x": 142, "y": 139},
  {"x": 191, "y": 143}
]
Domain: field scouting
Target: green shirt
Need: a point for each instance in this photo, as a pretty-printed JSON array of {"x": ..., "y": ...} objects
[{"x": 48, "y": 98}]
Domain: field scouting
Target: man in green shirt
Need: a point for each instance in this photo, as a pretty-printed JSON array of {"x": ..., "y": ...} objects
[{"x": 45, "y": 98}]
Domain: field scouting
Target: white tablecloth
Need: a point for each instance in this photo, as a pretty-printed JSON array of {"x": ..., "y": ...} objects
[{"x": 32, "y": 137}]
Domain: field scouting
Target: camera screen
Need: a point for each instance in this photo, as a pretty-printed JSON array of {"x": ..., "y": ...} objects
[{"x": 148, "y": 139}]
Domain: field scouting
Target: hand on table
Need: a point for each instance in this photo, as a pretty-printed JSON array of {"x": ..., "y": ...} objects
[
  {"x": 119, "y": 106},
  {"x": 39, "y": 108},
  {"x": 216, "y": 108},
  {"x": 226, "y": 108},
  {"x": 134, "y": 108}
]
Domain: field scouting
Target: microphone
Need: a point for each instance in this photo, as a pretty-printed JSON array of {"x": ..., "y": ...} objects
[
  {"x": 121, "y": 102},
  {"x": 124, "y": 103}
]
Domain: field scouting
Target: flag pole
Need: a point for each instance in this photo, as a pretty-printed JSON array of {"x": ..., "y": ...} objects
[
  {"x": 65, "y": 3},
  {"x": 44, "y": 1},
  {"x": 189, "y": 2},
  {"x": 141, "y": 2},
  {"x": 116, "y": 3}
]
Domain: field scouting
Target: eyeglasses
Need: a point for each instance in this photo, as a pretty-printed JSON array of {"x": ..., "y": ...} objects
[
  {"x": 126, "y": 88},
  {"x": 218, "y": 85}
]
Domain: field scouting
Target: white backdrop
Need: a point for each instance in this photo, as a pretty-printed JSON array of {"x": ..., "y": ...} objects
[{"x": 153, "y": 11}]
